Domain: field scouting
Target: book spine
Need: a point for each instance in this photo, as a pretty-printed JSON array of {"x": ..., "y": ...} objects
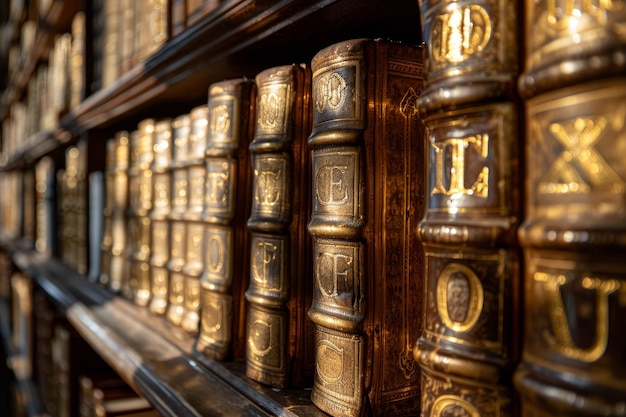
[
  {"x": 194, "y": 226},
  {"x": 81, "y": 209},
  {"x": 161, "y": 206},
  {"x": 574, "y": 234},
  {"x": 181, "y": 127},
  {"x": 226, "y": 209},
  {"x": 140, "y": 188},
  {"x": 159, "y": 24},
  {"x": 127, "y": 35},
  {"x": 279, "y": 338},
  {"x": 470, "y": 336},
  {"x": 77, "y": 61},
  {"x": 364, "y": 169},
  {"x": 110, "y": 43},
  {"x": 116, "y": 202},
  {"x": 45, "y": 231},
  {"x": 95, "y": 223}
]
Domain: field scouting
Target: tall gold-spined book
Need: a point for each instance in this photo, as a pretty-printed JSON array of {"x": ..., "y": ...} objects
[
  {"x": 160, "y": 225},
  {"x": 194, "y": 225},
  {"x": 280, "y": 337},
  {"x": 367, "y": 186},
  {"x": 574, "y": 235},
  {"x": 469, "y": 342},
  {"x": 227, "y": 205},
  {"x": 140, "y": 205},
  {"x": 176, "y": 289}
]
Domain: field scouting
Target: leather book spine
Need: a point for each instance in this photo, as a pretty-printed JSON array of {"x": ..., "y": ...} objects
[
  {"x": 367, "y": 163},
  {"x": 279, "y": 335},
  {"x": 225, "y": 275},
  {"x": 574, "y": 234}
]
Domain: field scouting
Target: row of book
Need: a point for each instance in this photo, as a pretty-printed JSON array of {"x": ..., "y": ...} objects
[
  {"x": 206, "y": 217},
  {"x": 454, "y": 233},
  {"x": 57, "y": 86},
  {"x": 123, "y": 34}
]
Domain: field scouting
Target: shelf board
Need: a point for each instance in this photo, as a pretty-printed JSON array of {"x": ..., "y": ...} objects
[{"x": 153, "y": 356}]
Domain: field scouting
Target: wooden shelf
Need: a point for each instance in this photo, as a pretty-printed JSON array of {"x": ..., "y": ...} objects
[
  {"x": 154, "y": 357},
  {"x": 240, "y": 38}
]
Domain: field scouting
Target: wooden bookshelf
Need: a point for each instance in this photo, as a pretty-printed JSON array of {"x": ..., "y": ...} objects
[{"x": 239, "y": 38}]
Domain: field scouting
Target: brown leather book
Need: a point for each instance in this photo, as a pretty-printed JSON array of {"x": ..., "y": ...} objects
[
  {"x": 367, "y": 185},
  {"x": 574, "y": 234},
  {"x": 469, "y": 341},
  {"x": 280, "y": 336},
  {"x": 226, "y": 241},
  {"x": 160, "y": 225}
]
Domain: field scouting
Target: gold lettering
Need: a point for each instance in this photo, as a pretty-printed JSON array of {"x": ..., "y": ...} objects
[
  {"x": 452, "y": 405},
  {"x": 264, "y": 255},
  {"x": 260, "y": 331},
  {"x": 463, "y": 32},
  {"x": 566, "y": 14},
  {"x": 215, "y": 253},
  {"x": 268, "y": 187},
  {"x": 330, "y": 92},
  {"x": 337, "y": 266},
  {"x": 561, "y": 340},
  {"x": 216, "y": 189},
  {"x": 577, "y": 136},
  {"x": 458, "y": 147},
  {"x": 330, "y": 189},
  {"x": 459, "y": 297},
  {"x": 220, "y": 119},
  {"x": 269, "y": 111}
]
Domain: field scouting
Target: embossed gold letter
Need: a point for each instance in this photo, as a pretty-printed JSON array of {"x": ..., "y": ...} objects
[
  {"x": 480, "y": 188},
  {"x": 264, "y": 254},
  {"x": 337, "y": 266},
  {"x": 457, "y": 35},
  {"x": 578, "y": 137},
  {"x": 330, "y": 189},
  {"x": 459, "y": 297},
  {"x": 561, "y": 339},
  {"x": 268, "y": 187}
]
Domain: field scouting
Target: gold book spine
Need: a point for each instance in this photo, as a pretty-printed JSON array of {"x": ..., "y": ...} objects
[
  {"x": 161, "y": 206},
  {"x": 226, "y": 208},
  {"x": 470, "y": 336},
  {"x": 107, "y": 212},
  {"x": 279, "y": 335},
  {"x": 181, "y": 127},
  {"x": 367, "y": 182},
  {"x": 29, "y": 202},
  {"x": 176, "y": 292},
  {"x": 44, "y": 186},
  {"x": 141, "y": 197},
  {"x": 159, "y": 24},
  {"x": 111, "y": 34},
  {"x": 193, "y": 159},
  {"x": 126, "y": 39},
  {"x": 80, "y": 209},
  {"x": 116, "y": 206},
  {"x": 574, "y": 234},
  {"x": 61, "y": 73},
  {"x": 77, "y": 61}
]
